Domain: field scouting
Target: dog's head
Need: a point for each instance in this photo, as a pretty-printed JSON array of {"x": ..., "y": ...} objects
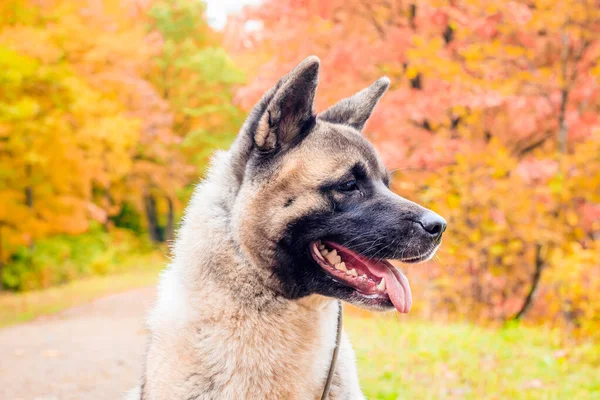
[{"x": 314, "y": 204}]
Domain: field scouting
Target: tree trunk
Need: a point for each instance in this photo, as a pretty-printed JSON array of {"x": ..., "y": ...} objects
[
  {"x": 151, "y": 217},
  {"x": 109, "y": 203},
  {"x": 562, "y": 125},
  {"x": 1, "y": 261},
  {"x": 535, "y": 280},
  {"x": 562, "y": 148},
  {"x": 170, "y": 220},
  {"x": 412, "y": 15},
  {"x": 29, "y": 198},
  {"x": 564, "y": 97}
]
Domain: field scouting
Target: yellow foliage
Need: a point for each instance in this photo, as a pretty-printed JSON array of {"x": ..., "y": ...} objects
[{"x": 104, "y": 104}]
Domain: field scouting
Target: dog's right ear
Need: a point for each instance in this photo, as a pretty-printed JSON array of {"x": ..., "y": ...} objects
[
  {"x": 290, "y": 112},
  {"x": 281, "y": 118}
]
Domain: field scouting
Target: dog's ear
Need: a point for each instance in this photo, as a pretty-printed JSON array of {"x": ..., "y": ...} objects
[
  {"x": 356, "y": 110},
  {"x": 289, "y": 113}
]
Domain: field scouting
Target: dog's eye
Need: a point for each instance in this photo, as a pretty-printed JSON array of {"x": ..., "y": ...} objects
[{"x": 348, "y": 186}]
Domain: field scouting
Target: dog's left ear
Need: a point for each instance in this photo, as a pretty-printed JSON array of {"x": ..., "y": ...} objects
[
  {"x": 356, "y": 110},
  {"x": 290, "y": 112}
]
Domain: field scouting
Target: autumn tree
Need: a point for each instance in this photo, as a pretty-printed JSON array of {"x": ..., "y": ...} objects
[
  {"x": 193, "y": 76},
  {"x": 57, "y": 125},
  {"x": 106, "y": 106}
]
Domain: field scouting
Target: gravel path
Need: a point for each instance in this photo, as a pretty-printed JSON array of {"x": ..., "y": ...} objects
[{"x": 89, "y": 352}]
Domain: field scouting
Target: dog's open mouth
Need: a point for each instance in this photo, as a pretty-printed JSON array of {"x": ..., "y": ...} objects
[{"x": 369, "y": 277}]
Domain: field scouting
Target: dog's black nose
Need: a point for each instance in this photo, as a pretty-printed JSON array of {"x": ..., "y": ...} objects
[{"x": 433, "y": 224}]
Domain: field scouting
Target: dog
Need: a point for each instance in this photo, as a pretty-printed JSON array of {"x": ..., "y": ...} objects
[{"x": 296, "y": 214}]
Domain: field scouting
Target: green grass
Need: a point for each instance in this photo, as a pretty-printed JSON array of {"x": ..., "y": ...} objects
[
  {"x": 424, "y": 360},
  {"x": 25, "y": 306}
]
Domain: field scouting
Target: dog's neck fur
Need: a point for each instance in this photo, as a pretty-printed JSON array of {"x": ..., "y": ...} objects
[
  {"x": 218, "y": 258},
  {"x": 219, "y": 312}
]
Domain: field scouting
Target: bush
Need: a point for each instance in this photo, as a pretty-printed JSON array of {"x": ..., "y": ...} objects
[
  {"x": 129, "y": 218},
  {"x": 63, "y": 258}
]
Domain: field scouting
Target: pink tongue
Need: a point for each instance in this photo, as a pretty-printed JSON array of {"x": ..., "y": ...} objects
[{"x": 395, "y": 282}]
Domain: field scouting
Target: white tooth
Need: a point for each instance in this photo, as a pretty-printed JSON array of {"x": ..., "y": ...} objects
[
  {"x": 381, "y": 285},
  {"x": 332, "y": 257},
  {"x": 364, "y": 276},
  {"x": 353, "y": 272},
  {"x": 338, "y": 260},
  {"x": 324, "y": 252},
  {"x": 341, "y": 266},
  {"x": 321, "y": 246}
]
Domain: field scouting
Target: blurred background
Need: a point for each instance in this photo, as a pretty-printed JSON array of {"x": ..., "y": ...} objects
[{"x": 110, "y": 110}]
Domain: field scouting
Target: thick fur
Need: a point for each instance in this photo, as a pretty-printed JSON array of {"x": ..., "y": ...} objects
[
  {"x": 218, "y": 332},
  {"x": 243, "y": 312}
]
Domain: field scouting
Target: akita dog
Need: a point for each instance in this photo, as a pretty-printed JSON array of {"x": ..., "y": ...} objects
[{"x": 296, "y": 214}]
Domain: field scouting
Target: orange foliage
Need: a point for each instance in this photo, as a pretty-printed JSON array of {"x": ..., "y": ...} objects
[{"x": 491, "y": 120}]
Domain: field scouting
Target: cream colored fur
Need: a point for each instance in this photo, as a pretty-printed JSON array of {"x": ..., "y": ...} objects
[{"x": 208, "y": 341}]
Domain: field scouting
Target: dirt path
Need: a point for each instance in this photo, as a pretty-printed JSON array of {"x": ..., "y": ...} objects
[{"x": 89, "y": 352}]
